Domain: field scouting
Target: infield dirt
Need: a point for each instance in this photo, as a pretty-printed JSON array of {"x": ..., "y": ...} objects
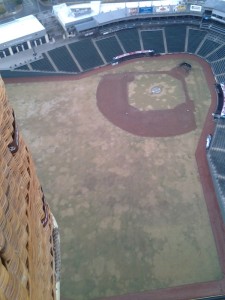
[{"x": 131, "y": 209}]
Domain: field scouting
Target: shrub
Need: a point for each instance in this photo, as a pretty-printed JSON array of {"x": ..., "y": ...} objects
[{"x": 2, "y": 9}]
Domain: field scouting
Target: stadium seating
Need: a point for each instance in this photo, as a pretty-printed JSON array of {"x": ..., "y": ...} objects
[
  {"x": 195, "y": 36},
  {"x": 217, "y": 28},
  {"x": 219, "y": 141},
  {"x": 221, "y": 183},
  {"x": 220, "y": 78},
  {"x": 86, "y": 54},
  {"x": 16, "y": 73},
  {"x": 219, "y": 67},
  {"x": 207, "y": 47},
  {"x": 217, "y": 160},
  {"x": 63, "y": 60},
  {"x": 220, "y": 53},
  {"x": 153, "y": 40},
  {"x": 109, "y": 47},
  {"x": 175, "y": 37},
  {"x": 24, "y": 67},
  {"x": 218, "y": 180},
  {"x": 42, "y": 65},
  {"x": 129, "y": 39},
  {"x": 178, "y": 38}
]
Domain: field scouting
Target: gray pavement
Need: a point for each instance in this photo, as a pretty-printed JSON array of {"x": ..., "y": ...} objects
[{"x": 27, "y": 8}]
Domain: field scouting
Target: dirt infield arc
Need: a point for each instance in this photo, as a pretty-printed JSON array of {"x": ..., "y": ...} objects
[
  {"x": 198, "y": 290},
  {"x": 112, "y": 101}
]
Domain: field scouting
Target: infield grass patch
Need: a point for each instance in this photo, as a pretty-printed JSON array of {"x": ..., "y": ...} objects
[{"x": 141, "y": 96}]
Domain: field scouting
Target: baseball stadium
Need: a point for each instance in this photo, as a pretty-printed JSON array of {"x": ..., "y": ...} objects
[{"x": 122, "y": 105}]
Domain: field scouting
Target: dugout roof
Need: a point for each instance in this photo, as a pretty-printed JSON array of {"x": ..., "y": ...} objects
[{"x": 19, "y": 28}]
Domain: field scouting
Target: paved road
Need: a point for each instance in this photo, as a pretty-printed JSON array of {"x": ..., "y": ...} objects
[{"x": 29, "y": 7}]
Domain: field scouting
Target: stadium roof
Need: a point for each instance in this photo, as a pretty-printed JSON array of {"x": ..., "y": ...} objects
[
  {"x": 102, "y": 12},
  {"x": 86, "y": 25},
  {"x": 106, "y": 7},
  {"x": 66, "y": 15},
  {"x": 111, "y": 15},
  {"x": 19, "y": 28},
  {"x": 215, "y": 4}
]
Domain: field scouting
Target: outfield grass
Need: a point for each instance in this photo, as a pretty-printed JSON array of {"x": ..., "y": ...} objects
[{"x": 131, "y": 210}]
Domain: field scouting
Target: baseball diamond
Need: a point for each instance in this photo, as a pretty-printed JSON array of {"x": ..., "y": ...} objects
[
  {"x": 135, "y": 204},
  {"x": 165, "y": 122},
  {"x": 116, "y": 107}
]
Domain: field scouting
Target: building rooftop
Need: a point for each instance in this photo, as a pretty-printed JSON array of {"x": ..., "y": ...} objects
[
  {"x": 101, "y": 11},
  {"x": 215, "y": 4},
  {"x": 19, "y": 28}
]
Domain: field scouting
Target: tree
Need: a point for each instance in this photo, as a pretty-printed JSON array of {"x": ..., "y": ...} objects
[
  {"x": 2, "y": 9},
  {"x": 18, "y": 2}
]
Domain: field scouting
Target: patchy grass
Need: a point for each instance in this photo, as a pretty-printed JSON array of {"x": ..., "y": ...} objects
[
  {"x": 131, "y": 210},
  {"x": 141, "y": 96}
]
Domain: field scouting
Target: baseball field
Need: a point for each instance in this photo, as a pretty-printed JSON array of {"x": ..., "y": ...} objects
[{"x": 115, "y": 152}]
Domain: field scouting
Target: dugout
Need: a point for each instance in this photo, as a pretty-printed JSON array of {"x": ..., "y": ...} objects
[{"x": 220, "y": 99}]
